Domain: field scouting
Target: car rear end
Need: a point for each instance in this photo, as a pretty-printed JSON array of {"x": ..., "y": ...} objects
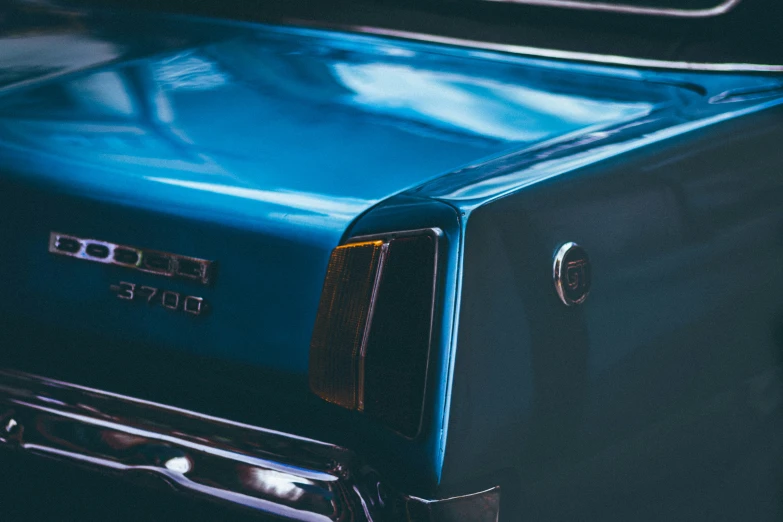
[{"x": 308, "y": 273}]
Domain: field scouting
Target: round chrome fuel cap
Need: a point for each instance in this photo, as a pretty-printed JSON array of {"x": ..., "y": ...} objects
[{"x": 571, "y": 273}]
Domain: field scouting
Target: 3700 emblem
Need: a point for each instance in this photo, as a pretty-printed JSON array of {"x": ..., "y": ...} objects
[{"x": 166, "y": 298}]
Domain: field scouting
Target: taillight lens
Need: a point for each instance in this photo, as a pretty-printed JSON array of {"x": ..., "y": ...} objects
[
  {"x": 371, "y": 343},
  {"x": 342, "y": 322}
]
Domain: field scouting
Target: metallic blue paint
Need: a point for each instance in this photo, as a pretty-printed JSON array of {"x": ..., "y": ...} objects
[
  {"x": 281, "y": 137},
  {"x": 661, "y": 397},
  {"x": 264, "y": 147}
]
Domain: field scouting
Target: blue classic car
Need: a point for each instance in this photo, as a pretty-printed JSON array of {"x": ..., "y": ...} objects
[{"x": 373, "y": 261}]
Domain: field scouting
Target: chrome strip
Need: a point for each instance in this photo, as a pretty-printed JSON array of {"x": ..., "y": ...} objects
[
  {"x": 483, "y": 507},
  {"x": 269, "y": 471},
  {"x": 606, "y": 59},
  {"x": 368, "y": 325},
  {"x": 719, "y": 9}
]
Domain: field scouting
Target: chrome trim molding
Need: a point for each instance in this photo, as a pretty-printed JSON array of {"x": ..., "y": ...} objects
[
  {"x": 537, "y": 52},
  {"x": 142, "y": 259},
  {"x": 368, "y": 326},
  {"x": 478, "y": 507},
  {"x": 719, "y": 9},
  {"x": 275, "y": 473}
]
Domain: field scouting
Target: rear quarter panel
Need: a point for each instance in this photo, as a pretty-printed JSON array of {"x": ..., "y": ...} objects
[{"x": 661, "y": 396}]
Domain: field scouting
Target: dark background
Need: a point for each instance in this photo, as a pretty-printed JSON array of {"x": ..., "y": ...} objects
[{"x": 749, "y": 33}]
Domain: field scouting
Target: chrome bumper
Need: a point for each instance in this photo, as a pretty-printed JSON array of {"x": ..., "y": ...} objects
[{"x": 272, "y": 472}]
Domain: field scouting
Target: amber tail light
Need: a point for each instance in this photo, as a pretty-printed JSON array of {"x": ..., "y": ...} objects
[{"x": 371, "y": 342}]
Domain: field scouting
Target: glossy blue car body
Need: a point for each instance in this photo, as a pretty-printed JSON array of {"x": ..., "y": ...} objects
[{"x": 265, "y": 147}]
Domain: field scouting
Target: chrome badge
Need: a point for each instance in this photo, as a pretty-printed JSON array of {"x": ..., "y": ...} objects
[
  {"x": 571, "y": 273},
  {"x": 151, "y": 261},
  {"x": 168, "y": 299}
]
